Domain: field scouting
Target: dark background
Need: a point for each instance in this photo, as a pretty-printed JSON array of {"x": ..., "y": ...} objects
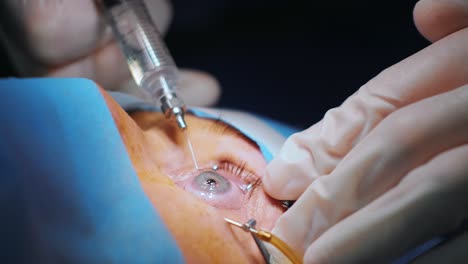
[{"x": 289, "y": 60}]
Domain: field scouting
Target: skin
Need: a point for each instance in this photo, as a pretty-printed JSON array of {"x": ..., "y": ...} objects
[{"x": 159, "y": 155}]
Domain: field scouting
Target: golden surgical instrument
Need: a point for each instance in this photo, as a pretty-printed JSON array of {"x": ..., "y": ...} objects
[{"x": 269, "y": 238}]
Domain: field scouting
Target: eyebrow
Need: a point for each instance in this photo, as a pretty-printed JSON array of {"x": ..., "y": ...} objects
[{"x": 222, "y": 128}]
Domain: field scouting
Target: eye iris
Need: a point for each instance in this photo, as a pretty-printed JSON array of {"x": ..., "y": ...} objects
[{"x": 212, "y": 182}]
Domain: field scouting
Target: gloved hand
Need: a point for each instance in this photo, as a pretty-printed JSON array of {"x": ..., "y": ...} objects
[
  {"x": 68, "y": 38},
  {"x": 388, "y": 169},
  {"x": 68, "y": 190}
]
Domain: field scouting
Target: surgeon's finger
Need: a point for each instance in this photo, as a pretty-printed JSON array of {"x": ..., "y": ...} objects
[
  {"x": 195, "y": 88},
  {"x": 436, "y": 19},
  {"x": 403, "y": 141},
  {"x": 198, "y": 88},
  {"x": 439, "y": 68},
  {"x": 431, "y": 200},
  {"x": 106, "y": 66},
  {"x": 60, "y": 31}
]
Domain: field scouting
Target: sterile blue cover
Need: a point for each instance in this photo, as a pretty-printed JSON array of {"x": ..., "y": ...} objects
[{"x": 68, "y": 192}]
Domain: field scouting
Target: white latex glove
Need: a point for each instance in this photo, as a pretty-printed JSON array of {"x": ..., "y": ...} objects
[
  {"x": 387, "y": 169},
  {"x": 69, "y": 38}
]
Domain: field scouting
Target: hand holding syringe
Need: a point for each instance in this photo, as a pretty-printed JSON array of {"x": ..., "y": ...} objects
[
  {"x": 66, "y": 38},
  {"x": 148, "y": 58}
]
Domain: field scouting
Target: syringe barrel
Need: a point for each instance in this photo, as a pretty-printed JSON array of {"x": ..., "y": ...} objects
[{"x": 148, "y": 58}]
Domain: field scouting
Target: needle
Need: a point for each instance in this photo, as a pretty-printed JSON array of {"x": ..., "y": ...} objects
[
  {"x": 190, "y": 147},
  {"x": 249, "y": 227},
  {"x": 232, "y": 222},
  {"x": 245, "y": 227}
]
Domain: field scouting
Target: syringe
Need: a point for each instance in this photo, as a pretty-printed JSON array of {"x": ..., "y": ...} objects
[{"x": 148, "y": 58}]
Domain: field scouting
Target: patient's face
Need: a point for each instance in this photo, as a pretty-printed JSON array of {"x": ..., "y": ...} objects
[{"x": 194, "y": 202}]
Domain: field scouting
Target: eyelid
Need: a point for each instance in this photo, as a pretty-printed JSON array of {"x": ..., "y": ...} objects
[
  {"x": 243, "y": 176},
  {"x": 234, "y": 166},
  {"x": 241, "y": 169},
  {"x": 232, "y": 170}
]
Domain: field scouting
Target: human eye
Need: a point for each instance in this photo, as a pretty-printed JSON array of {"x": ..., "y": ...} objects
[{"x": 226, "y": 183}]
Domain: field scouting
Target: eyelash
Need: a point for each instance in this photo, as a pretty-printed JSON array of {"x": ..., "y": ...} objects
[{"x": 238, "y": 168}]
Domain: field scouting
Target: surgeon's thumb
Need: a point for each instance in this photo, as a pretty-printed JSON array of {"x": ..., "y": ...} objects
[
  {"x": 300, "y": 161},
  {"x": 317, "y": 151},
  {"x": 196, "y": 88}
]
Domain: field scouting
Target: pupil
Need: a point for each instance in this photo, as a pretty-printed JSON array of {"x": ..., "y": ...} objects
[{"x": 211, "y": 182}]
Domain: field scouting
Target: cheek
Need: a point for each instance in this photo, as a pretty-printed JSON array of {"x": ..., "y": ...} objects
[
  {"x": 264, "y": 209},
  {"x": 200, "y": 230},
  {"x": 135, "y": 143}
]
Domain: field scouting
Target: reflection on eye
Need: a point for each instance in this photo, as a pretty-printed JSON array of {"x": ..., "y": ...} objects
[
  {"x": 227, "y": 187},
  {"x": 211, "y": 182}
]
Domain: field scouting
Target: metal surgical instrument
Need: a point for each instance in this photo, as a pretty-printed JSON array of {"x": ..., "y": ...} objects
[
  {"x": 148, "y": 58},
  {"x": 266, "y": 255},
  {"x": 269, "y": 238}
]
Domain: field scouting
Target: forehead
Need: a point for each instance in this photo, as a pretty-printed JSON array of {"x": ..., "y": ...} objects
[
  {"x": 211, "y": 139},
  {"x": 269, "y": 135},
  {"x": 259, "y": 130}
]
